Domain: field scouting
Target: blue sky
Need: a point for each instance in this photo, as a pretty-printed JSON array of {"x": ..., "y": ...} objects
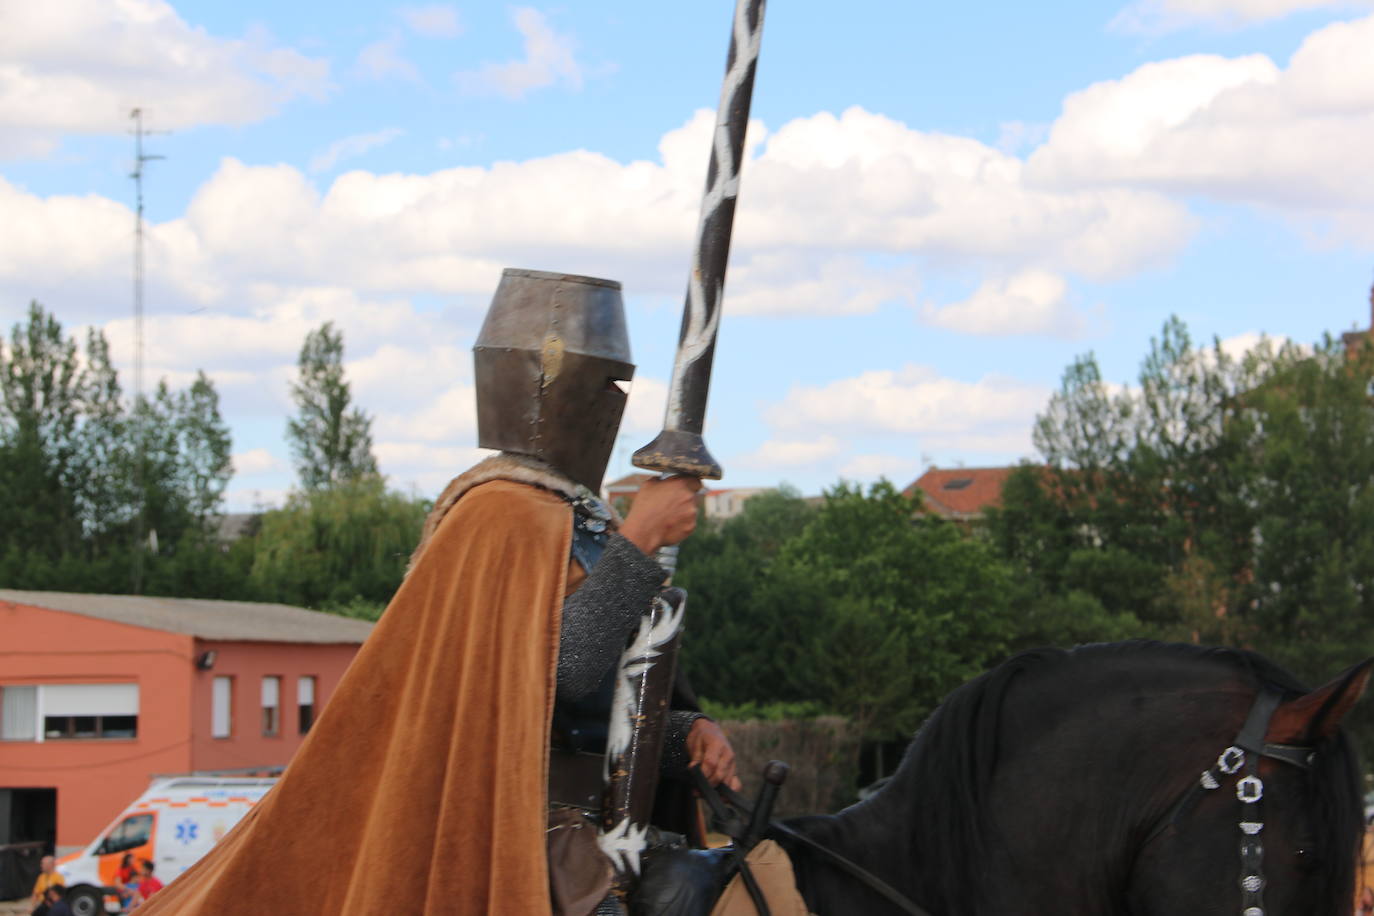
[{"x": 943, "y": 205}]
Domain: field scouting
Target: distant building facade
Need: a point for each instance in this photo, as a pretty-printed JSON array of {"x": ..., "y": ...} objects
[
  {"x": 1353, "y": 340},
  {"x": 99, "y": 693},
  {"x": 621, "y": 492},
  {"x": 727, "y": 503}
]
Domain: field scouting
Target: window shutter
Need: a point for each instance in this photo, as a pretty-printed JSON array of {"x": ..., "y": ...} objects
[{"x": 19, "y": 714}]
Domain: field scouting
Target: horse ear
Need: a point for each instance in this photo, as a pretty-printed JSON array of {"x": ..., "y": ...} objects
[{"x": 1317, "y": 714}]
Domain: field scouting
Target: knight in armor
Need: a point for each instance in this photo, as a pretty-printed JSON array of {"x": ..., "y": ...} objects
[{"x": 430, "y": 768}]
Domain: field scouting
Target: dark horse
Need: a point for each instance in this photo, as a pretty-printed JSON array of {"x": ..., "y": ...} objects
[{"x": 1068, "y": 783}]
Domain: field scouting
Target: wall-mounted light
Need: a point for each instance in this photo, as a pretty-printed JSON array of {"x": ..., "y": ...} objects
[{"x": 206, "y": 660}]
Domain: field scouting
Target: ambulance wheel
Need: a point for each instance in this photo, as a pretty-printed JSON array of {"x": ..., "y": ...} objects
[{"x": 86, "y": 901}]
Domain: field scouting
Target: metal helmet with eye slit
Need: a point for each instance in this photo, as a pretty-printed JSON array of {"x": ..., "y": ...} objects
[{"x": 551, "y": 361}]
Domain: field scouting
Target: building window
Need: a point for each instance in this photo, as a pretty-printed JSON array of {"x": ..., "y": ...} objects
[
  {"x": 305, "y": 702},
  {"x": 59, "y": 728},
  {"x": 271, "y": 706},
  {"x": 222, "y": 707},
  {"x": 59, "y": 712},
  {"x": 19, "y": 713}
]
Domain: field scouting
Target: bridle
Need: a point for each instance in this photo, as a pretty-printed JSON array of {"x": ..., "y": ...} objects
[{"x": 1242, "y": 757}]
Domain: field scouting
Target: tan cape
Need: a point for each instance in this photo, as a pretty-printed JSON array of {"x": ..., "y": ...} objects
[{"x": 422, "y": 787}]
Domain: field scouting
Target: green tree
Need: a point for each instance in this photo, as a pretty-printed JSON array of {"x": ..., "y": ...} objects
[
  {"x": 340, "y": 548},
  {"x": 40, "y": 410},
  {"x": 1311, "y": 481},
  {"x": 331, "y": 443},
  {"x": 856, "y": 606},
  {"x": 70, "y": 481},
  {"x": 890, "y": 611},
  {"x": 105, "y": 498},
  {"x": 1233, "y": 502},
  {"x": 729, "y": 645},
  {"x": 1145, "y": 504}
]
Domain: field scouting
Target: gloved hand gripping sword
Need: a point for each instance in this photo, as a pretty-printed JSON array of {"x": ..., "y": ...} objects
[{"x": 646, "y": 669}]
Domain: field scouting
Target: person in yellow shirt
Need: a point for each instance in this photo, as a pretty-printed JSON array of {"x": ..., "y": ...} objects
[{"x": 47, "y": 877}]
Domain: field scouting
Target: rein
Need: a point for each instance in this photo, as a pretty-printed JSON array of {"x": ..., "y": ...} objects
[
  {"x": 1243, "y": 755},
  {"x": 713, "y": 795},
  {"x": 894, "y": 896}
]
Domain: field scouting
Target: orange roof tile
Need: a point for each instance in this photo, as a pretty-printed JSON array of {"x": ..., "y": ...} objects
[{"x": 961, "y": 492}]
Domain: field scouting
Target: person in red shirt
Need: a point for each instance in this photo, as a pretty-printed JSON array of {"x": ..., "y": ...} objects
[{"x": 149, "y": 885}]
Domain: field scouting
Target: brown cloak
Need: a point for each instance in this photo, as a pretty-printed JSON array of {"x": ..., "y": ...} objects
[{"x": 422, "y": 787}]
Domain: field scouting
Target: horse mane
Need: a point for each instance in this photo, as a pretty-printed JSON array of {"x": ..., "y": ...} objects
[{"x": 956, "y": 749}]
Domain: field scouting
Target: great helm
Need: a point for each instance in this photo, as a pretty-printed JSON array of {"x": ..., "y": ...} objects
[{"x": 548, "y": 357}]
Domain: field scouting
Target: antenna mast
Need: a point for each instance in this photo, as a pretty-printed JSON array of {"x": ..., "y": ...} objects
[{"x": 140, "y": 444}]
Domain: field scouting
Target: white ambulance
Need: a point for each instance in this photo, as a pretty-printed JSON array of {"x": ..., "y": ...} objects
[{"x": 172, "y": 824}]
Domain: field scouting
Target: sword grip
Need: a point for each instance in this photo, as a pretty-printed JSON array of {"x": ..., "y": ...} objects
[{"x": 667, "y": 558}]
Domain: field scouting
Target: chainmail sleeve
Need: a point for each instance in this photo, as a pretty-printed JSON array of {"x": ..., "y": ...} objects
[
  {"x": 675, "y": 755},
  {"x": 598, "y": 617}
]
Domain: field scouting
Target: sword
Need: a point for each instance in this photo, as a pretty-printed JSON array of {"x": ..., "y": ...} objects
[{"x": 647, "y": 667}]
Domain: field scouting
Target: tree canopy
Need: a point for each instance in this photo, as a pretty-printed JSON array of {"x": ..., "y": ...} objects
[
  {"x": 1221, "y": 499},
  {"x": 78, "y": 464},
  {"x": 330, "y": 440}
]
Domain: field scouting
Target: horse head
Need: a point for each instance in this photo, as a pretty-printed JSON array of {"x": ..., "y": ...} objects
[
  {"x": 1273, "y": 825},
  {"x": 1126, "y": 779}
]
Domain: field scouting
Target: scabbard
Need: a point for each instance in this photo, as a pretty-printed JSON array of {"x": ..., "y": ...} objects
[{"x": 634, "y": 745}]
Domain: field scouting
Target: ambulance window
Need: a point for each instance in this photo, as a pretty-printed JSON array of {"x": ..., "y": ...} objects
[{"x": 129, "y": 833}]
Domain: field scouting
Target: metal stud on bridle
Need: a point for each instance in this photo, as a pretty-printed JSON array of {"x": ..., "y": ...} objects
[{"x": 1244, "y": 756}]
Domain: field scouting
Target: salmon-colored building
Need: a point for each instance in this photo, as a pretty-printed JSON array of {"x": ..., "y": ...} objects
[{"x": 99, "y": 693}]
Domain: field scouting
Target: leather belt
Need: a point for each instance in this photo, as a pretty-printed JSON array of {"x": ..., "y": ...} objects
[{"x": 575, "y": 779}]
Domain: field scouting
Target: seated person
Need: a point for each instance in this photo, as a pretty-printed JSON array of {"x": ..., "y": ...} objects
[
  {"x": 47, "y": 878},
  {"x": 148, "y": 884},
  {"x": 54, "y": 898},
  {"x": 126, "y": 876}
]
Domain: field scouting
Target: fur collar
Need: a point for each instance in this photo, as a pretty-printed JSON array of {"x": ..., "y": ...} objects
[{"x": 501, "y": 466}]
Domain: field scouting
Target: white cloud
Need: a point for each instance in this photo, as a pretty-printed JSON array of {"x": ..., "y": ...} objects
[
  {"x": 436, "y": 20},
  {"x": 255, "y": 461},
  {"x": 549, "y": 60},
  {"x": 644, "y": 409},
  {"x": 382, "y": 60},
  {"x": 993, "y": 414},
  {"x": 1238, "y": 129},
  {"x": 450, "y": 417},
  {"x": 352, "y": 147},
  {"x": 791, "y": 453},
  {"x": 1014, "y": 136},
  {"x": 864, "y": 181},
  {"x": 1030, "y": 302},
  {"x": 804, "y": 283},
  {"x": 425, "y": 467},
  {"x": 846, "y": 212},
  {"x": 80, "y": 66},
  {"x": 1237, "y": 345},
  {"x": 1158, "y": 16},
  {"x": 900, "y": 469},
  {"x": 829, "y": 198}
]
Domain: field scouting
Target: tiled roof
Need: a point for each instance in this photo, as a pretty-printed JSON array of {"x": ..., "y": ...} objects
[
  {"x": 961, "y": 492},
  {"x": 239, "y": 621},
  {"x": 630, "y": 483}
]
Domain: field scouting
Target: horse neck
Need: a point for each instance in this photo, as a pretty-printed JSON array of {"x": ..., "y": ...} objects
[{"x": 869, "y": 835}]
